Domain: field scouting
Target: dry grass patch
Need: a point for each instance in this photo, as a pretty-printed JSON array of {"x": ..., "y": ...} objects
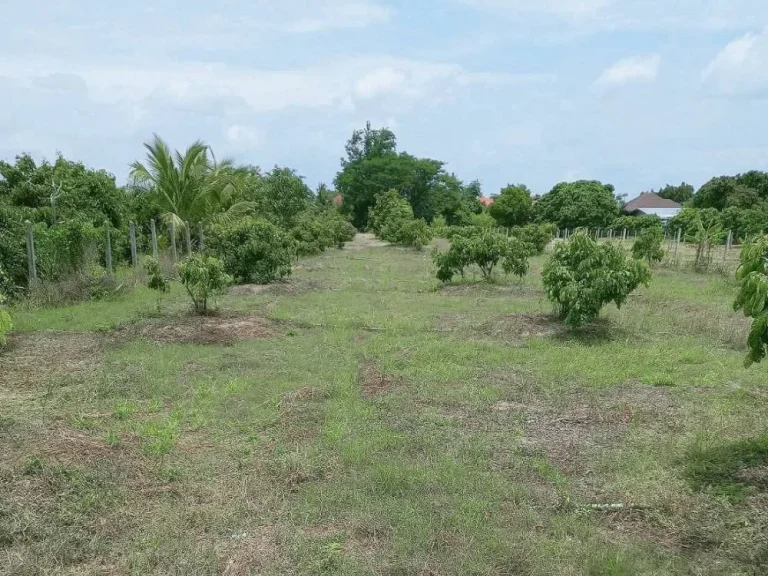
[
  {"x": 31, "y": 359},
  {"x": 256, "y": 552},
  {"x": 219, "y": 329},
  {"x": 373, "y": 382},
  {"x": 512, "y": 327}
]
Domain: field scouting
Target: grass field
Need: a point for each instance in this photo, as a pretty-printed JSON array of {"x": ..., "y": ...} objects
[{"x": 362, "y": 419}]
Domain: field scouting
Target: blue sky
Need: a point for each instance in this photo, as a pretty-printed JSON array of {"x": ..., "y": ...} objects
[{"x": 634, "y": 92}]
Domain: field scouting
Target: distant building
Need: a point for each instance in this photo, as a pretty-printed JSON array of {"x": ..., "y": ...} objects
[
  {"x": 649, "y": 203},
  {"x": 486, "y": 200},
  {"x": 338, "y": 200}
]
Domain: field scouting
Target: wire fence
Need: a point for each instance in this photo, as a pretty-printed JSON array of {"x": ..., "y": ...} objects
[
  {"x": 174, "y": 246},
  {"x": 678, "y": 253}
]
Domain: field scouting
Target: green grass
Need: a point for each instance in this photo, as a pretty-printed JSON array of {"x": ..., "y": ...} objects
[{"x": 387, "y": 425}]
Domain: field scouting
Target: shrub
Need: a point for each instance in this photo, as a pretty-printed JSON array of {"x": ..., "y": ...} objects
[
  {"x": 411, "y": 233},
  {"x": 635, "y": 224},
  {"x": 536, "y": 236},
  {"x": 252, "y": 249},
  {"x": 582, "y": 276},
  {"x": 156, "y": 280},
  {"x": 204, "y": 277},
  {"x": 753, "y": 296},
  {"x": 648, "y": 245},
  {"x": 312, "y": 235},
  {"x": 389, "y": 210},
  {"x": 688, "y": 220},
  {"x": 440, "y": 227},
  {"x": 482, "y": 220},
  {"x": 485, "y": 250}
]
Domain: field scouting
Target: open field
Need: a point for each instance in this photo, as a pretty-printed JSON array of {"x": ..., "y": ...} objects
[{"x": 362, "y": 419}]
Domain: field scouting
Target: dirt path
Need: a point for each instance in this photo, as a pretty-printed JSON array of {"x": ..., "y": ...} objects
[{"x": 365, "y": 240}]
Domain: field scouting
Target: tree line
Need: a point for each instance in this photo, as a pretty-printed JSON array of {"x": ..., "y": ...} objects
[{"x": 69, "y": 204}]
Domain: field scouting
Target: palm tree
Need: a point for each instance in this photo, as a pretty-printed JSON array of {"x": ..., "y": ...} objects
[{"x": 191, "y": 186}]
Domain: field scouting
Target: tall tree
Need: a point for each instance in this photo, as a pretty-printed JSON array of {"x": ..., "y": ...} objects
[
  {"x": 188, "y": 186},
  {"x": 513, "y": 206},
  {"x": 680, "y": 194},
  {"x": 369, "y": 143},
  {"x": 586, "y": 203}
]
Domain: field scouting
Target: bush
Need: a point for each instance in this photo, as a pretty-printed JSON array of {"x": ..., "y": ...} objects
[
  {"x": 485, "y": 250},
  {"x": 252, "y": 249},
  {"x": 389, "y": 210},
  {"x": 635, "y": 224},
  {"x": 156, "y": 280},
  {"x": 204, "y": 277},
  {"x": 688, "y": 220},
  {"x": 440, "y": 227},
  {"x": 537, "y": 236},
  {"x": 482, "y": 220},
  {"x": 582, "y": 276},
  {"x": 315, "y": 232},
  {"x": 753, "y": 296},
  {"x": 411, "y": 233},
  {"x": 648, "y": 245}
]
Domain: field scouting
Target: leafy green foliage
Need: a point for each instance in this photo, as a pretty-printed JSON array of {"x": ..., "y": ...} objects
[
  {"x": 204, "y": 277},
  {"x": 582, "y": 276},
  {"x": 753, "y": 295},
  {"x": 284, "y": 196},
  {"x": 635, "y": 224},
  {"x": 689, "y": 219},
  {"x": 536, "y": 236},
  {"x": 512, "y": 207},
  {"x": 680, "y": 194},
  {"x": 648, "y": 245},
  {"x": 373, "y": 166},
  {"x": 745, "y": 223},
  {"x": 388, "y": 212},
  {"x": 252, "y": 249},
  {"x": 156, "y": 280},
  {"x": 586, "y": 203},
  {"x": 317, "y": 231},
  {"x": 411, "y": 233},
  {"x": 186, "y": 186},
  {"x": 743, "y": 190},
  {"x": 482, "y": 220},
  {"x": 485, "y": 249}
]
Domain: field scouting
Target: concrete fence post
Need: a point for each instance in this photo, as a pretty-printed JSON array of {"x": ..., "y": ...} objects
[
  {"x": 31, "y": 262},
  {"x": 172, "y": 232},
  {"x": 134, "y": 251},
  {"x": 187, "y": 237},
  {"x": 153, "y": 230},
  {"x": 201, "y": 235},
  {"x": 108, "y": 251}
]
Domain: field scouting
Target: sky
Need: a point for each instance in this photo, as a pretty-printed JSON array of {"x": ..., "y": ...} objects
[{"x": 638, "y": 93}]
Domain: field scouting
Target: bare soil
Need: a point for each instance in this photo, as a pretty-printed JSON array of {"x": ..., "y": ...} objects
[
  {"x": 374, "y": 382},
  {"x": 224, "y": 329}
]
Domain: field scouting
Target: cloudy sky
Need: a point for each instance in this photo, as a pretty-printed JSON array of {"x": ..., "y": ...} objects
[{"x": 634, "y": 92}]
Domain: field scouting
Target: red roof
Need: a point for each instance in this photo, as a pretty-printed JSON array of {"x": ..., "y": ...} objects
[
  {"x": 338, "y": 199},
  {"x": 650, "y": 200},
  {"x": 486, "y": 201}
]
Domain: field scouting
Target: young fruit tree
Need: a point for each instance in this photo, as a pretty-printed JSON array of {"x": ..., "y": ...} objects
[
  {"x": 486, "y": 250},
  {"x": 753, "y": 296},
  {"x": 582, "y": 276},
  {"x": 648, "y": 245},
  {"x": 156, "y": 280},
  {"x": 203, "y": 277}
]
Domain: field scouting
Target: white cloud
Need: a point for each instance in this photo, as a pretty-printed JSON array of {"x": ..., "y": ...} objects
[
  {"x": 337, "y": 83},
  {"x": 741, "y": 67},
  {"x": 343, "y": 15},
  {"x": 634, "y": 14},
  {"x": 642, "y": 68}
]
